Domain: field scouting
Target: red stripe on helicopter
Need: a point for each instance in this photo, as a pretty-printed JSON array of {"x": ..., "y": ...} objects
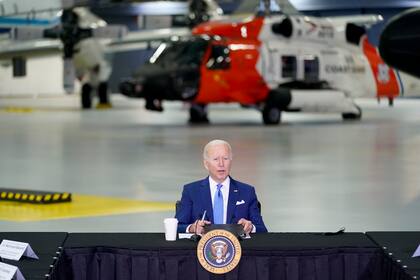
[{"x": 385, "y": 77}]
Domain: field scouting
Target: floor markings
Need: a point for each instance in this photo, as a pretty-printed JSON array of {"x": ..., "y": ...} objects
[{"x": 81, "y": 206}]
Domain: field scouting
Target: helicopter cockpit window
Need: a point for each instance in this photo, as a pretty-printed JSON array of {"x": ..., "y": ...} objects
[
  {"x": 188, "y": 52},
  {"x": 219, "y": 58},
  {"x": 288, "y": 66}
]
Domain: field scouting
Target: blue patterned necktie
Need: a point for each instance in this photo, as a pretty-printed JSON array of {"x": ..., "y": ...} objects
[{"x": 218, "y": 205}]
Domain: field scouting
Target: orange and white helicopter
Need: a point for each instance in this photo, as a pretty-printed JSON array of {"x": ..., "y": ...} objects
[{"x": 271, "y": 61}]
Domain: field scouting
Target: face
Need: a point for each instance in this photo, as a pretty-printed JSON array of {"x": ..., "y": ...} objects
[{"x": 218, "y": 162}]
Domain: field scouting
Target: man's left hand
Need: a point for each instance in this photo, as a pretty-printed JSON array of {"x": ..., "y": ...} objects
[{"x": 246, "y": 224}]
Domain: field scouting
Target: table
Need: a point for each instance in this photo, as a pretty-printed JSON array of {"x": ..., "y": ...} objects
[
  {"x": 46, "y": 246},
  {"x": 400, "y": 246},
  {"x": 266, "y": 256}
]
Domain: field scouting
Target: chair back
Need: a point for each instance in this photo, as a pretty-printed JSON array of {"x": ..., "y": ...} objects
[{"x": 177, "y": 206}]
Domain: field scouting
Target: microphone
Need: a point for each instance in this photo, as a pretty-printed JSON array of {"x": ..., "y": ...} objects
[{"x": 195, "y": 237}]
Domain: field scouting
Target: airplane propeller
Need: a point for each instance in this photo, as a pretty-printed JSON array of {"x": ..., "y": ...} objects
[{"x": 70, "y": 33}]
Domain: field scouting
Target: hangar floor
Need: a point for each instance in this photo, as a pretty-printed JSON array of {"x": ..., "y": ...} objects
[{"x": 312, "y": 173}]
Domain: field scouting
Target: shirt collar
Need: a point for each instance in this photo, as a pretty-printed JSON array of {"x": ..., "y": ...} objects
[{"x": 225, "y": 183}]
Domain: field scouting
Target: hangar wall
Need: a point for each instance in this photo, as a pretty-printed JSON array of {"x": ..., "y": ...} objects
[{"x": 43, "y": 77}]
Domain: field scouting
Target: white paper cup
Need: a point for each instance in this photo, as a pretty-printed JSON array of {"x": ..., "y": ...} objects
[{"x": 171, "y": 225}]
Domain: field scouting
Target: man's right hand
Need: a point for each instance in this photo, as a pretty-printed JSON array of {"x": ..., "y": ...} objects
[{"x": 200, "y": 226}]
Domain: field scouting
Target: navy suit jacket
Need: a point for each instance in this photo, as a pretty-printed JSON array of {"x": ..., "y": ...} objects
[{"x": 196, "y": 198}]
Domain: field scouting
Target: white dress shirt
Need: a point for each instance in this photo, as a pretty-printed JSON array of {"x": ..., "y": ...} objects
[{"x": 225, "y": 191}]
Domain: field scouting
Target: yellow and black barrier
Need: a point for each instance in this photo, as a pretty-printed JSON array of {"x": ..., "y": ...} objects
[{"x": 31, "y": 196}]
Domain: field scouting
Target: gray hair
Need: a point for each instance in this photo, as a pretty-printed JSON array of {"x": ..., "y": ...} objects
[{"x": 215, "y": 143}]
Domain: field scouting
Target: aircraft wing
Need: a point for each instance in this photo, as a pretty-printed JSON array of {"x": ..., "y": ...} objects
[
  {"x": 136, "y": 40},
  {"x": 9, "y": 48}
]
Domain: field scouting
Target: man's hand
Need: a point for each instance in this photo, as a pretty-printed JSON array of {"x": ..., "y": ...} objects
[
  {"x": 200, "y": 226},
  {"x": 246, "y": 224}
]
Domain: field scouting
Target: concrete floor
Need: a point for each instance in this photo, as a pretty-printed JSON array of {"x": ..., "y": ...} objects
[{"x": 312, "y": 173}]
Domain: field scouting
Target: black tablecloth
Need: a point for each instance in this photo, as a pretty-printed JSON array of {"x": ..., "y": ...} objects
[
  {"x": 400, "y": 246},
  {"x": 266, "y": 256},
  {"x": 45, "y": 245}
]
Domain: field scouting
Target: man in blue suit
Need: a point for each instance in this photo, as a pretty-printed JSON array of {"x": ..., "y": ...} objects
[{"x": 222, "y": 199}]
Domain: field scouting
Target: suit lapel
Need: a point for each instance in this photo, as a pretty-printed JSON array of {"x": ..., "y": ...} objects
[
  {"x": 206, "y": 199},
  {"x": 233, "y": 197}
]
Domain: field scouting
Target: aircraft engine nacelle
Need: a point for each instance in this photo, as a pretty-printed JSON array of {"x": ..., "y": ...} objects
[
  {"x": 318, "y": 30},
  {"x": 284, "y": 27}
]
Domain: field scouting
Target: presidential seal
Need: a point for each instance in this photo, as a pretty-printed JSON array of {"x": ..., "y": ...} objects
[{"x": 219, "y": 251}]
